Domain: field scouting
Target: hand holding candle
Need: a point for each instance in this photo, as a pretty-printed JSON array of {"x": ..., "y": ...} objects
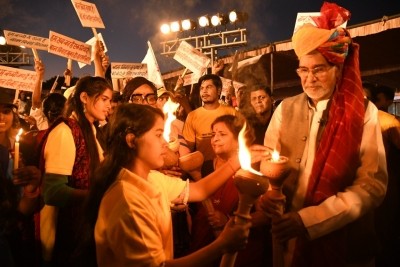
[
  {"x": 276, "y": 168},
  {"x": 250, "y": 184}
]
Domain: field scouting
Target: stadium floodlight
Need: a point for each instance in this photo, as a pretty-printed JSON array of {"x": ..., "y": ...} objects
[
  {"x": 2, "y": 38},
  {"x": 235, "y": 16},
  {"x": 204, "y": 21},
  {"x": 175, "y": 26},
  {"x": 188, "y": 24},
  {"x": 165, "y": 29},
  {"x": 218, "y": 19}
]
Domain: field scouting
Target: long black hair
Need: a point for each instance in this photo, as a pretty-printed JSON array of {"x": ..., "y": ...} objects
[
  {"x": 93, "y": 87},
  {"x": 128, "y": 118}
]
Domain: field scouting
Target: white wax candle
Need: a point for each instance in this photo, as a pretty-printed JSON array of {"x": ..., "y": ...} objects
[{"x": 16, "y": 149}]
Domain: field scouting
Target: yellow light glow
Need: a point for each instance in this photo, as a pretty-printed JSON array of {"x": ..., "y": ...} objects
[
  {"x": 165, "y": 29},
  {"x": 204, "y": 21},
  {"x": 169, "y": 109},
  {"x": 244, "y": 153},
  {"x": 175, "y": 26},
  {"x": 233, "y": 16},
  {"x": 18, "y": 135},
  {"x": 275, "y": 156}
]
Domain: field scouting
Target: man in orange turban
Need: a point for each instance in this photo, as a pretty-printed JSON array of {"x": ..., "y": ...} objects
[{"x": 334, "y": 144}]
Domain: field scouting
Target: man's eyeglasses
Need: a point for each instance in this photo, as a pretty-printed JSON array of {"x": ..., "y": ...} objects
[
  {"x": 317, "y": 72},
  {"x": 151, "y": 99}
]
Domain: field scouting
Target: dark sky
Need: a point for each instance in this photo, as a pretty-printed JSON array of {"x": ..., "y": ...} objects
[{"x": 131, "y": 23}]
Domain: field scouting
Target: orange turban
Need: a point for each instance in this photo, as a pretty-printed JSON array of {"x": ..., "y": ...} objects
[{"x": 308, "y": 38}]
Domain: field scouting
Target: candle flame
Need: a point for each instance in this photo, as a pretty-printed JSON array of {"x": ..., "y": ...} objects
[
  {"x": 275, "y": 156},
  {"x": 18, "y": 135},
  {"x": 169, "y": 109},
  {"x": 244, "y": 153}
]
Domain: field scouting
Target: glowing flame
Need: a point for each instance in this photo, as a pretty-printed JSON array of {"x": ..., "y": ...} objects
[
  {"x": 169, "y": 109},
  {"x": 275, "y": 156},
  {"x": 18, "y": 135},
  {"x": 244, "y": 153}
]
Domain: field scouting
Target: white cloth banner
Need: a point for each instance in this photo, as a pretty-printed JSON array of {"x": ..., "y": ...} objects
[{"x": 154, "y": 73}]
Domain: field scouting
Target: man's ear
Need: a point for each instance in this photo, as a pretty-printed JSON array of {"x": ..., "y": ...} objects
[{"x": 130, "y": 140}]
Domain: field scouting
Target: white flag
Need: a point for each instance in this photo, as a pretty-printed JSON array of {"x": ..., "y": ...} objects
[{"x": 154, "y": 73}]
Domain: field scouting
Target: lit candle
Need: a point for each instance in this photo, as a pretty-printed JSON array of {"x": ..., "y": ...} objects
[
  {"x": 16, "y": 149},
  {"x": 245, "y": 154},
  {"x": 169, "y": 109},
  {"x": 274, "y": 166},
  {"x": 172, "y": 156}
]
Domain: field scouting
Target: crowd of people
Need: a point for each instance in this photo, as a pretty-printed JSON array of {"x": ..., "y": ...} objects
[{"x": 92, "y": 187}]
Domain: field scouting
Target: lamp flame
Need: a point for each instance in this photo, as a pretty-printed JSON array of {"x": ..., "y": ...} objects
[
  {"x": 275, "y": 156},
  {"x": 18, "y": 135},
  {"x": 169, "y": 109},
  {"x": 244, "y": 153}
]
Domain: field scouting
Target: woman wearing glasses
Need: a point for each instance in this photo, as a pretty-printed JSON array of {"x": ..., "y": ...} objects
[{"x": 139, "y": 90}]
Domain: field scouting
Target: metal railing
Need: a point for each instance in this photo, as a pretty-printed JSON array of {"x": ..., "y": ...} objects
[{"x": 15, "y": 59}]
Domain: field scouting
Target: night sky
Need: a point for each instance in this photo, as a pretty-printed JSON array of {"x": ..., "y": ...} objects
[{"x": 131, "y": 23}]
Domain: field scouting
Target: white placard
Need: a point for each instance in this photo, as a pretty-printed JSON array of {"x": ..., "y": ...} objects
[
  {"x": 92, "y": 43},
  {"x": 29, "y": 41},
  {"x": 69, "y": 48},
  {"x": 128, "y": 70},
  {"x": 88, "y": 14},
  {"x": 17, "y": 79},
  {"x": 192, "y": 58}
]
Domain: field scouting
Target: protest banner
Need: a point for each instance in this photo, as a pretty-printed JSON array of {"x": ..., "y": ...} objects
[
  {"x": 192, "y": 58},
  {"x": 69, "y": 48},
  {"x": 128, "y": 70},
  {"x": 88, "y": 14},
  {"x": 154, "y": 73},
  {"x": 17, "y": 79},
  {"x": 26, "y": 40},
  {"x": 92, "y": 43}
]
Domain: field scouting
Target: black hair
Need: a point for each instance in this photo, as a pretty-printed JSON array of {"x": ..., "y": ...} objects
[
  {"x": 53, "y": 106},
  {"x": 93, "y": 87},
  {"x": 215, "y": 79},
  {"x": 128, "y": 118},
  {"x": 133, "y": 84}
]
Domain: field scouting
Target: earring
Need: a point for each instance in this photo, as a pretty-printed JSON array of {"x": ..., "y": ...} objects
[{"x": 84, "y": 108}]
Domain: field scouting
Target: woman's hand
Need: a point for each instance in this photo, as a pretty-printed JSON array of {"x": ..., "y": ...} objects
[
  {"x": 28, "y": 176},
  {"x": 234, "y": 236}
]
